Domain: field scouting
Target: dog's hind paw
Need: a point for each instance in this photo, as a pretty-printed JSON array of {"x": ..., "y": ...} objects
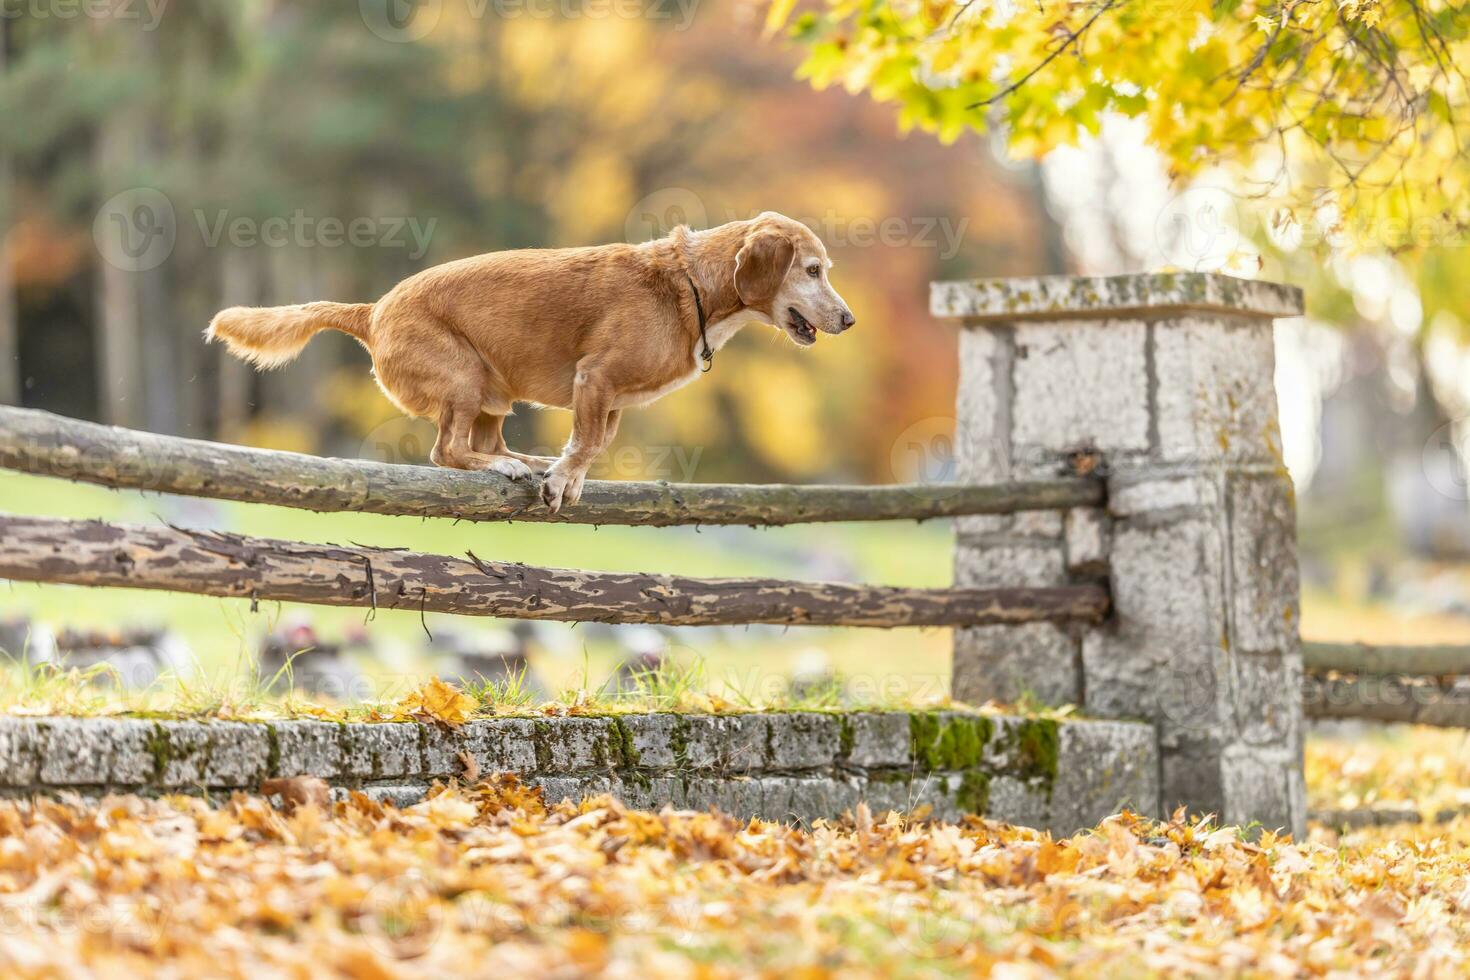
[{"x": 512, "y": 468}]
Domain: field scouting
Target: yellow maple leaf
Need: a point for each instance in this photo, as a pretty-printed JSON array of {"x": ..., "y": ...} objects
[{"x": 438, "y": 700}]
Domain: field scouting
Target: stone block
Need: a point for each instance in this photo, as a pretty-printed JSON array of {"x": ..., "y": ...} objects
[
  {"x": 821, "y": 798},
  {"x": 1102, "y": 768},
  {"x": 736, "y": 796},
  {"x": 725, "y": 742},
  {"x": 1268, "y": 698},
  {"x": 653, "y": 793},
  {"x": 879, "y": 739},
  {"x": 239, "y": 755},
  {"x": 383, "y": 751},
  {"x": 802, "y": 740},
  {"x": 21, "y": 749},
  {"x": 1086, "y": 536},
  {"x": 1002, "y": 663},
  {"x": 404, "y": 796},
  {"x": 77, "y": 752},
  {"x": 308, "y": 748},
  {"x": 1263, "y": 785},
  {"x": 982, "y": 428},
  {"x": 1170, "y": 578},
  {"x": 1010, "y": 565},
  {"x": 1263, "y": 564},
  {"x": 1081, "y": 385},
  {"x": 1134, "y": 494},
  {"x": 1216, "y": 399},
  {"x": 506, "y": 745},
  {"x": 653, "y": 739},
  {"x": 1022, "y": 802},
  {"x": 575, "y": 744},
  {"x": 135, "y": 759},
  {"x": 181, "y": 753}
]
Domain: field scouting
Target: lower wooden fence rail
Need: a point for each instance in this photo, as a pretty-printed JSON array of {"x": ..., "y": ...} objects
[
  {"x": 51, "y": 445},
  {"x": 1413, "y": 685},
  {"x": 1362, "y": 658},
  {"x": 210, "y": 563}
]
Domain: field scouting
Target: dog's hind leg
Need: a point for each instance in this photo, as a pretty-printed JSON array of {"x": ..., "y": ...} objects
[
  {"x": 489, "y": 438},
  {"x": 456, "y": 445}
]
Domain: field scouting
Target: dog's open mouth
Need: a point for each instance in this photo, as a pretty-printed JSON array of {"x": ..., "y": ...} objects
[{"x": 801, "y": 330}]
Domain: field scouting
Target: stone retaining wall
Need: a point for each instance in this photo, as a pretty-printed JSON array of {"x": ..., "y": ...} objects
[{"x": 782, "y": 766}]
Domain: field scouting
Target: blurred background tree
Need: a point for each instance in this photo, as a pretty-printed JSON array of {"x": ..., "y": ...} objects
[{"x": 492, "y": 131}]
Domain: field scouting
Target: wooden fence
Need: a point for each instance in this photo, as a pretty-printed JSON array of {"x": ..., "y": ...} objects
[
  {"x": 211, "y": 563},
  {"x": 1418, "y": 685}
]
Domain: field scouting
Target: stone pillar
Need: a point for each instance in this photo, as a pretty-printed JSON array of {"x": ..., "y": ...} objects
[{"x": 1163, "y": 386}]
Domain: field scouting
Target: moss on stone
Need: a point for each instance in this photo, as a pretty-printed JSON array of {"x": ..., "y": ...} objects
[
  {"x": 626, "y": 750},
  {"x": 946, "y": 743},
  {"x": 845, "y": 737},
  {"x": 973, "y": 796},
  {"x": 542, "y": 732},
  {"x": 679, "y": 743},
  {"x": 161, "y": 748},
  {"x": 273, "y": 751}
]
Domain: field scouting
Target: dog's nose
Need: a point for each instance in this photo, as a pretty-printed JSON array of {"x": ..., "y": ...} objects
[{"x": 846, "y": 320}]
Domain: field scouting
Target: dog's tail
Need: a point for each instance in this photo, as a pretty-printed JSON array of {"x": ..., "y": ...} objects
[{"x": 270, "y": 336}]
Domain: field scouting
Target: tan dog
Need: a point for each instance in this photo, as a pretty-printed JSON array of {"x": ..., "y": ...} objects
[{"x": 595, "y": 330}]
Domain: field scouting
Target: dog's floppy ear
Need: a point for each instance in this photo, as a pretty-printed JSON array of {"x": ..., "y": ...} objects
[{"x": 761, "y": 264}]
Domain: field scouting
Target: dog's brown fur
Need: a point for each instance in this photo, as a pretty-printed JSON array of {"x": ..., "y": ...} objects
[{"x": 595, "y": 330}]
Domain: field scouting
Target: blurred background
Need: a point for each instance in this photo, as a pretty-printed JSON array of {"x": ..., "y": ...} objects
[{"x": 161, "y": 161}]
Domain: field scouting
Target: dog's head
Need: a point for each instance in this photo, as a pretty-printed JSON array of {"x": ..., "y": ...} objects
[{"x": 781, "y": 271}]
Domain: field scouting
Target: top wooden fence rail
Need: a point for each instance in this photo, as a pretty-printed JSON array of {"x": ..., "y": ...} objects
[{"x": 51, "y": 445}]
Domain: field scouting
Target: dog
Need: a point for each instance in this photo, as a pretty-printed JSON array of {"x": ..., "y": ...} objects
[{"x": 596, "y": 330}]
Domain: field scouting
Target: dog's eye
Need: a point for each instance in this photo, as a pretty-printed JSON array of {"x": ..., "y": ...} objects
[{"x": 814, "y": 271}]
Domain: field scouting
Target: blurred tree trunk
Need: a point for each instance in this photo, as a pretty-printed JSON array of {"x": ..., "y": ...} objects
[
  {"x": 10, "y": 376},
  {"x": 239, "y": 286},
  {"x": 119, "y": 339}
]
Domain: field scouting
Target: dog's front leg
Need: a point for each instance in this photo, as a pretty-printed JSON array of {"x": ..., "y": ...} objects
[{"x": 591, "y": 414}]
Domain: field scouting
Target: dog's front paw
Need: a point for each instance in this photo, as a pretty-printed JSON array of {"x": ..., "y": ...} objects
[{"x": 563, "y": 487}]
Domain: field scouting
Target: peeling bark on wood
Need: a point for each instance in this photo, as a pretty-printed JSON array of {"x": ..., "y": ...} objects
[
  {"x": 210, "y": 563},
  {"x": 51, "y": 445}
]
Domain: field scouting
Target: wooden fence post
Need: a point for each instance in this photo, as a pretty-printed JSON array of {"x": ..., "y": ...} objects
[{"x": 1162, "y": 383}]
